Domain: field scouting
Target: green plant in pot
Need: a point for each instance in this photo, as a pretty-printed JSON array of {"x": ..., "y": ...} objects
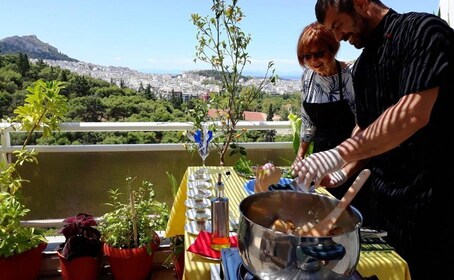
[
  {"x": 175, "y": 259},
  {"x": 43, "y": 110},
  {"x": 81, "y": 254},
  {"x": 129, "y": 231}
]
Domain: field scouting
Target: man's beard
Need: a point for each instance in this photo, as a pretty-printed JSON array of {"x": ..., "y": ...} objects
[{"x": 362, "y": 31}]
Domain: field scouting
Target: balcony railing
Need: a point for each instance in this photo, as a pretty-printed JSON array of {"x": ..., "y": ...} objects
[
  {"x": 6, "y": 146},
  {"x": 57, "y": 183},
  {"x": 161, "y": 156}
]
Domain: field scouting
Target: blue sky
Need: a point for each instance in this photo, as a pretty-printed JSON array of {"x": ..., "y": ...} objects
[{"x": 157, "y": 36}]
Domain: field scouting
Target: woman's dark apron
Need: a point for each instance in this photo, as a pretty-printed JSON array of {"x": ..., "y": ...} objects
[{"x": 334, "y": 121}]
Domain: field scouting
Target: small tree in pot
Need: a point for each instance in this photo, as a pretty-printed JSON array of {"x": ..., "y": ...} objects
[{"x": 223, "y": 45}]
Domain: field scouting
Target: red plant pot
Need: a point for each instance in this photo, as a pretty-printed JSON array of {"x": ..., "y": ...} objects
[
  {"x": 87, "y": 268},
  {"x": 179, "y": 266},
  {"x": 130, "y": 264},
  {"x": 24, "y": 266}
]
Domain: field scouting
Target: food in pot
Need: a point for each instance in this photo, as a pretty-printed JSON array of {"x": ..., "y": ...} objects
[{"x": 289, "y": 227}]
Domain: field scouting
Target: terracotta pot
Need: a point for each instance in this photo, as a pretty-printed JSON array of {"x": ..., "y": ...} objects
[
  {"x": 179, "y": 265},
  {"x": 130, "y": 264},
  {"x": 24, "y": 266},
  {"x": 87, "y": 268}
]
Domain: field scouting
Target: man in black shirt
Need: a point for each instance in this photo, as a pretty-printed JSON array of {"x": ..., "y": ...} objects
[{"x": 404, "y": 89}]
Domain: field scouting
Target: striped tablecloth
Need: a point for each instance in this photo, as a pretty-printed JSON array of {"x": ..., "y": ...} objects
[{"x": 385, "y": 264}]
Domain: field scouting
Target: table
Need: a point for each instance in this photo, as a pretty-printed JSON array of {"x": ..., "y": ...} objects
[{"x": 384, "y": 264}]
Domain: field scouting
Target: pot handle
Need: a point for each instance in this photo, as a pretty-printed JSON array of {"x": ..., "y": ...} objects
[
  {"x": 292, "y": 186},
  {"x": 321, "y": 252},
  {"x": 280, "y": 187}
]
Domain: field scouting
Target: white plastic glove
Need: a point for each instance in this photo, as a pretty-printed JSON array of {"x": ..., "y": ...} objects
[
  {"x": 316, "y": 166},
  {"x": 335, "y": 179}
]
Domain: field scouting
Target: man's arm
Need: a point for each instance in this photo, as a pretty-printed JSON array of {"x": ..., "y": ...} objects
[
  {"x": 394, "y": 126},
  {"x": 332, "y": 180}
]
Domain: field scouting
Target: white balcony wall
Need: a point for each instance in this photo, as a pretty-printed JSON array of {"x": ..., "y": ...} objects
[{"x": 76, "y": 178}]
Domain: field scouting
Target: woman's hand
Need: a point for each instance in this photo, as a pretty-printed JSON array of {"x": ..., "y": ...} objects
[{"x": 265, "y": 176}]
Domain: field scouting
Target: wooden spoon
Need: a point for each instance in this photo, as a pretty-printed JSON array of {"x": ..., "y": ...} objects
[{"x": 323, "y": 227}]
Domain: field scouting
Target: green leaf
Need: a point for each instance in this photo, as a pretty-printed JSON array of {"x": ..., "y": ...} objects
[
  {"x": 295, "y": 123},
  {"x": 244, "y": 167},
  {"x": 43, "y": 110}
]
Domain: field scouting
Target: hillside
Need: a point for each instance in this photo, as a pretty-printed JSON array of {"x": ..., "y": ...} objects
[{"x": 32, "y": 47}]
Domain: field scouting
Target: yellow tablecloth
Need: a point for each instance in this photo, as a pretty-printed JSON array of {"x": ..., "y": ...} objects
[{"x": 386, "y": 265}]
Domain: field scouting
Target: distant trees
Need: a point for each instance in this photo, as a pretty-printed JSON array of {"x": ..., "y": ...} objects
[
  {"x": 10, "y": 80},
  {"x": 80, "y": 86},
  {"x": 23, "y": 64},
  {"x": 5, "y": 103},
  {"x": 87, "y": 109},
  {"x": 176, "y": 98},
  {"x": 94, "y": 100},
  {"x": 150, "y": 92}
]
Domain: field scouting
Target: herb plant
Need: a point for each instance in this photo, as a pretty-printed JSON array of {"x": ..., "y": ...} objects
[
  {"x": 244, "y": 167},
  {"x": 134, "y": 223}
]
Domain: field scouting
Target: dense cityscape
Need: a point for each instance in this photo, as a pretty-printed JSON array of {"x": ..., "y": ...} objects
[{"x": 189, "y": 83}]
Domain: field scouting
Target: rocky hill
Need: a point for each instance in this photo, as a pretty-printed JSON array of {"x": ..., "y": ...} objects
[
  {"x": 33, "y": 47},
  {"x": 190, "y": 82}
]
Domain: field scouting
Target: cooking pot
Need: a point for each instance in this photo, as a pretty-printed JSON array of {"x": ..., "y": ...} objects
[{"x": 270, "y": 254}]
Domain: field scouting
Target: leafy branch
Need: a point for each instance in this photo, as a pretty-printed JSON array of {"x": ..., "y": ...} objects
[
  {"x": 223, "y": 45},
  {"x": 44, "y": 108}
]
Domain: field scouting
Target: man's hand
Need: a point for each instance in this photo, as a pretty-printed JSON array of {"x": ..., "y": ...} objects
[
  {"x": 297, "y": 159},
  {"x": 316, "y": 166},
  {"x": 334, "y": 179}
]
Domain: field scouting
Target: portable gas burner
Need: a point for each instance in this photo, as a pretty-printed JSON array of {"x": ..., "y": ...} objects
[{"x": 232, "y": 267}]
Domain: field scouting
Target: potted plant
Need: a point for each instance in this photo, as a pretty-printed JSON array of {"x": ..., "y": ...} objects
[
  {"x": 21, "y": 247},
  {"x": 175, "y": 259},
  {"x": 223, "y": 44},
  {"x": 81, "y": 254},
  {"x": 129, "y": 231}
]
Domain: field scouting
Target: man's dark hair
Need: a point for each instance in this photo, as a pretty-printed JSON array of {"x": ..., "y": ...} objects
[
  {"x": 344, "y": 6},
  {"x": 341, "y": 6}
]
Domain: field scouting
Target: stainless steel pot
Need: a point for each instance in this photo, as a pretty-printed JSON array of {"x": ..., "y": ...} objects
[{"x": 269, "y": 254}]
